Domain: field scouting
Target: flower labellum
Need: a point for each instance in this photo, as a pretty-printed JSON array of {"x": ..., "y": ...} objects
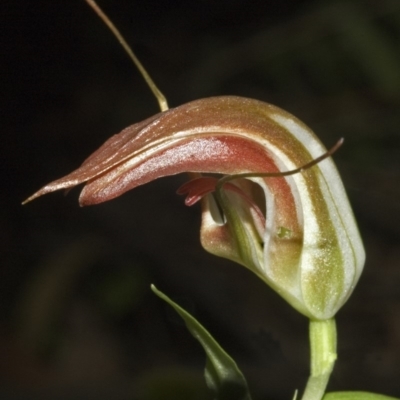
[{"x": 296, "y": 232}]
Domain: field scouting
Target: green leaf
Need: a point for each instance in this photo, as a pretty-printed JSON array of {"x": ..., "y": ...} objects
[
  {"x": 222, "y": 375},
  {"x": 357, "y": 396}
]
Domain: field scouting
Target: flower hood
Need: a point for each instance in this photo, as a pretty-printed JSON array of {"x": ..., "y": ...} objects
[{"x": 309, "y": 250}]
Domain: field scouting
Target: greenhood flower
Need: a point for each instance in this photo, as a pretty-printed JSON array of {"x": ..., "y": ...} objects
[{"x": 296, "y": 232}]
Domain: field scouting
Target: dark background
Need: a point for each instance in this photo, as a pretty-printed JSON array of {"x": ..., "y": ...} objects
[{"x": 77, "y": 317}]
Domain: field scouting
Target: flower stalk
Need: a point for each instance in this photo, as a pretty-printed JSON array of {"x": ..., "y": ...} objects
[{"x": 323, "y": 341}]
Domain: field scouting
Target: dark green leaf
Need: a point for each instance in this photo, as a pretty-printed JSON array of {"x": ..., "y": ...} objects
[
  {"x": 356, "y": 396},
  {"x": 222, "y": 375}
]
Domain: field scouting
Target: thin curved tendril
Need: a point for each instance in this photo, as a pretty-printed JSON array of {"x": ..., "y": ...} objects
[
  {"x": 162, "y": 101},
  {"x": 317, "y": 160}
]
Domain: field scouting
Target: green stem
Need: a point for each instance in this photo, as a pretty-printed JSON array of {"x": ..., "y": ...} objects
[{"x": 323, "y": 356}]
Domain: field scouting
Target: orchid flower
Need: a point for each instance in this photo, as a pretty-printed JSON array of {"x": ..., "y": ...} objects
[{"x": 295, "y": 232}]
